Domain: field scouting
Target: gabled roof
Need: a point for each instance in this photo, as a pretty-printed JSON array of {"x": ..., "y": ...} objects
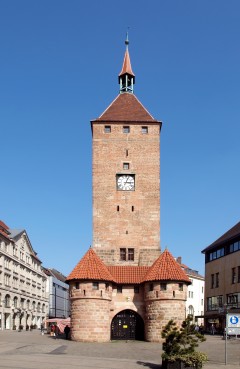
[
  {"x": 51, "y": 272},
  {"x": 231, "y": 234},
  {"x": 126, "y": 108},
  {"x": 91, "y": 267},
  {"x": 128, "y": 274},
  {"x": 166, "y": 268}
]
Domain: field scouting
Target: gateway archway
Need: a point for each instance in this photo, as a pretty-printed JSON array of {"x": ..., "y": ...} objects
[{"x": 127, "y": 325}]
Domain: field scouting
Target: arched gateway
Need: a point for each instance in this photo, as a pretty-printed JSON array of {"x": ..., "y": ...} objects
[{"x": 127, "y": 325}]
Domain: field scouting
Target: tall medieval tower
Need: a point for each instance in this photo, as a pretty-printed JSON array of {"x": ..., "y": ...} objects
[
  {"x": 124, "y": 287},
  {"x": 126, "y": 179}
]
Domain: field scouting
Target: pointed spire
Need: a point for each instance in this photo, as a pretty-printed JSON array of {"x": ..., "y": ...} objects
[{"x": 126, "y": 77}]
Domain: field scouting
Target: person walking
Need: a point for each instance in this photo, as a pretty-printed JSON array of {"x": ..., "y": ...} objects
[{"x": 66, "y": 331}]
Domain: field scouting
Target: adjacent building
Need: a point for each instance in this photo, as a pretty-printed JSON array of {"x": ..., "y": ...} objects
[
  {"x": 23, "y": 295},
  {"x": 124, "y": 287},
  {"x": 222, "y": 273},
  {"x": 58, "y": 291},
  {"x": 195, "y": 293}
]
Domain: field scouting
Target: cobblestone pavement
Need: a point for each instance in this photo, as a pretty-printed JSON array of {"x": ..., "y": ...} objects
[{"x": 31, "y": 350}]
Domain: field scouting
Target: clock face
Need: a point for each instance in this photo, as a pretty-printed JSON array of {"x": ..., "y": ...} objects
[{"x": 125, "y": 183}]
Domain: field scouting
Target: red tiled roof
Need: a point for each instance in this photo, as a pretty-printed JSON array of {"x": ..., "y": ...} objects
[
  {"x": 90, "y": 267},
  {"x": 128, "y": 274},
  {"x": 166, "y": 268},
  {"x": 4, "y": 229},
  {"x": 126, "y": 68},
  {"x": 126, "y": 108}
]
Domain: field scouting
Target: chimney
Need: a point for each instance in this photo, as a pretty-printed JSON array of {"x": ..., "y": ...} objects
[{"x": 179, "y": 260}]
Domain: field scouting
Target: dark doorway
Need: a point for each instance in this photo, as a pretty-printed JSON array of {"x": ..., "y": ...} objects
[{"x": 127, "y": 325}]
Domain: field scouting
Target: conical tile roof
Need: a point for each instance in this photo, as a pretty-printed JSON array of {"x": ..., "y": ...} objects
[
  {"x": 126, "y": 108},
  {"x": 90, "y": 267},
  {"x": 126, "y": 67},
  {"x": 166, "y": 268}
]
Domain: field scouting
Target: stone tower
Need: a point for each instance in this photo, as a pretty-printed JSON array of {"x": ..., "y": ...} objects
[
  {"x": 123, "y": 287},
  {"x": 126, "y": 178}
]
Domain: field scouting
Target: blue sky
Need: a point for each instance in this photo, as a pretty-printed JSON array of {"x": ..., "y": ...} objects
[{"x": 59, "y": 62}]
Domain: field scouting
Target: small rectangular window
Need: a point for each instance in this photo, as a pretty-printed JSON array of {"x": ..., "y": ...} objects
[
  {"x": 217, "y": 280},
  {"x": 131, "y": 254},
  {"x": 163, "y": 286},
  {"x": 107, "y": 129},
  {"x": 151, "y": 287},
  {"x": 123, "y": 254},
  {"x": 119, "y": 289},
  {"x": 136, "y": 289},
  {"x": 180, "y": 286},
  {"x": 126, "y": 129},
  {"x": 95, "y": 285},
  {"x": 145, "y": 130},
  {"x": 126, "y": 166}
]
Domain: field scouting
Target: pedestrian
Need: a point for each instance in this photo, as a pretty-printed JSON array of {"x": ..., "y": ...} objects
[
  {"x": 66, "y": 331},
  {"x": 212, "y": 329}
]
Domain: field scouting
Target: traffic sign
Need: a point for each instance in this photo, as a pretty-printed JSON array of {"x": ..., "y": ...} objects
[{"x": 233, "y": 321}]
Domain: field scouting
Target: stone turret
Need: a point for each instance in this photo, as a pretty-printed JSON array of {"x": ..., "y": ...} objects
[
  {"x": 165, "y": 293},
  {"x": 90, "y": 294}
]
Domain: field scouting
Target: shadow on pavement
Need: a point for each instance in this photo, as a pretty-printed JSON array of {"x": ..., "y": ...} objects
[{"x": 149, "y": 365}]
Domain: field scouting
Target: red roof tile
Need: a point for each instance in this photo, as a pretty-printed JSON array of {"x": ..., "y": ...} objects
[
  {"x": 166, "y": 268},
  {"x": 90, "y": 267},
  {"x": 126, "y": 108},
  {"x": 128, "y": 274}
]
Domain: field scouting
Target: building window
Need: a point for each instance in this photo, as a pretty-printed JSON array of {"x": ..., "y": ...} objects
[
  {"x": 95, "y": 285},
  {"x": 238, "y": 274},
  {"x": 234, "y": 247},
  {"x": 126, "y": 129},
  {"x": 201, "y": 301},
  {"x": 77, "y": 285},
  {"x": 7, "y": 301},
  {"x": 118, "y": 208},
  {"x": 130, "y": 254},
  {"x": 180, "y": 286},
  {"x": 123, "y": 253},
  {"x": 232, "y": 299},
  {"x": 136, "y": 289},
  {"x": 217, "y": 280},
  {"x": 15, "y": 302},
  {"x": 132, "y": 208},
  {"x": 119, "y": 289},
  {"x": 144, "y": 129},
  {"x": 127, "y": 254},
  {"x": 126, "y": 152},
  {"x": 214, "y": 303},
  {"x": 126, "y": 166},
  {"x": 190, "y": 310},
  {"x": 107, "y": 129},
  {"x": 151, "y": 287},
  {"x": 212, "y": 280},
  {"x": 234, "y": 276},
  {"x": 163, "y": 286},
  {"x": 216, "y": 254}
]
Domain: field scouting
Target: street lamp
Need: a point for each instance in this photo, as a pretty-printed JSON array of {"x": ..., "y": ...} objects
[{"x": 226, "y": 309}]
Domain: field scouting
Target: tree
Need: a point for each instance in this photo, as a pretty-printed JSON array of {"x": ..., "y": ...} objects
[{"x": 181, "y": 343}]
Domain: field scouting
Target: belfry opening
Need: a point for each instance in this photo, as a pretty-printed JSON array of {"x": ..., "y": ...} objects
[{"x": 127, "y": 325}]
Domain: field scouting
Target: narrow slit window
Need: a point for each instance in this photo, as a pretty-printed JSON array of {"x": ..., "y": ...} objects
[
  {"x": 118, "y": 208},
  {"x": 132, "y": 208}
]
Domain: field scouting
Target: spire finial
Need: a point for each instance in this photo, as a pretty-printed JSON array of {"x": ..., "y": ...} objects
[{"x": 127, "y": 40}]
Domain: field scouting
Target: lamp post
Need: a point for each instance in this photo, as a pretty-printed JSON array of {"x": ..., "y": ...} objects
[{"x": 226, "y": 308}]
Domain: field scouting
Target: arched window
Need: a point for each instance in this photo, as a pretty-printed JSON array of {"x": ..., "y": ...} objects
[
  {"x": 39, "y": 307},
  {"x": 15, "y": 302},
  {"x": 190, "y": 310},
  {"x": 28, "y": 304},
  {"x": 34, "y": 305},
  {"x": 7, "y": 301},
  {"x": 43, "y": 308}
]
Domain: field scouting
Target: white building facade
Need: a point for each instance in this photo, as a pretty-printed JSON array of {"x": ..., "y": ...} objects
[
  {"x": 23, "y": 295},
  {"x": 195, "y": 293},
  {"x": 58, "y": 290}
]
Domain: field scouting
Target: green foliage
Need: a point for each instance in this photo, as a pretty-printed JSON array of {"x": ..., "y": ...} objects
[{"x": 181, "y": 343}]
